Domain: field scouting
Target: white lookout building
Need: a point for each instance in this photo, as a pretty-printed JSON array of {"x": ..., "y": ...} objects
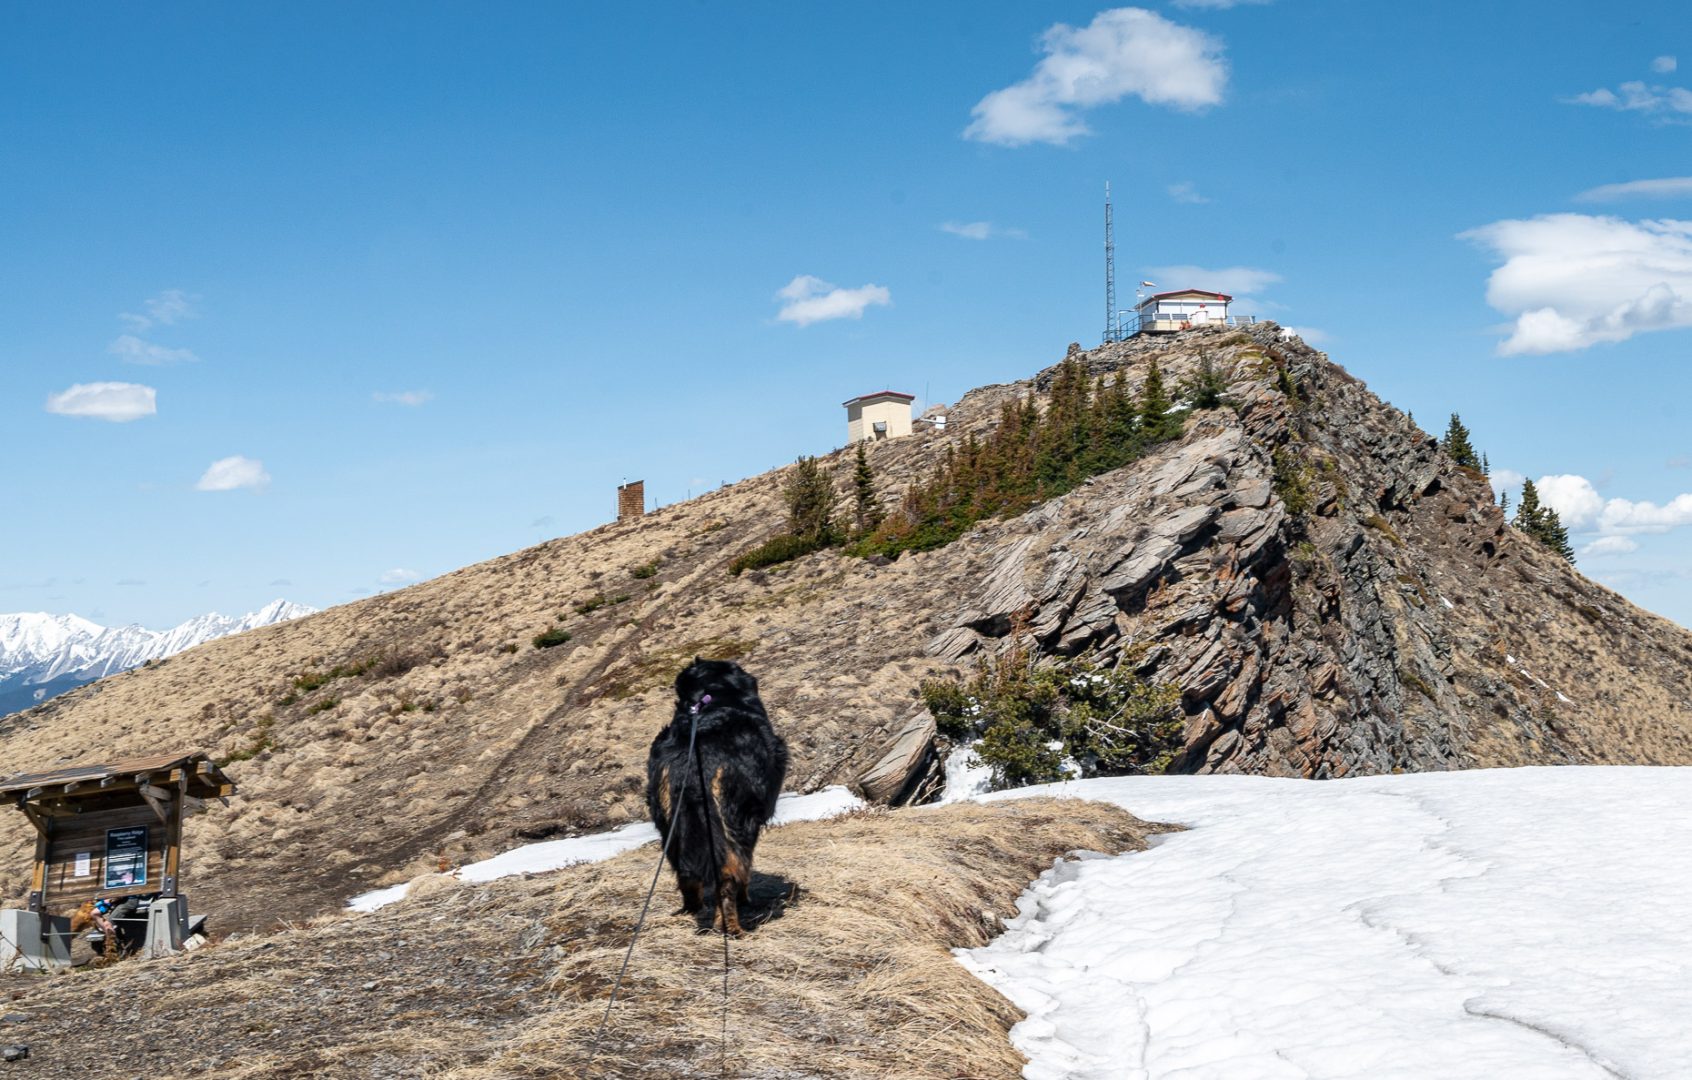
[
  {"x": 885, "y": 414},
  {"x": 1186, "y": 309}
]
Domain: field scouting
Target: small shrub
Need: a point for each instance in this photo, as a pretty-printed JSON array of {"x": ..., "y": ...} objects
[
  {"x": 777, "y": 549},
  {"x": 1041, "y": 723},
  {"x": 508, "y": 647},
  {"x": 1294, "y": 483},
  {"x": 323, "y": 706},
  {"x": 645, "y": 570},
  {"x": 1416, "y": 682},
  {"x": 590, "y": 605},
  {"x": 1380, "y": 525},
  {"x": 557, "y": 635}
]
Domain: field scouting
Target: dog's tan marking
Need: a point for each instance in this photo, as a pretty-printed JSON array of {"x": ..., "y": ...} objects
[
  {"x": 664, "y": 790},
  {"x": 735, "y": 873}
]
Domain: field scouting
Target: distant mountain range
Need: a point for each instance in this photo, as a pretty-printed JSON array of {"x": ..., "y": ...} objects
[{"x": 44, "y": 655}]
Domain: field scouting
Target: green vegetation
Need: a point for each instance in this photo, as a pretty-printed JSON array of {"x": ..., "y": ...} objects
[
  {"x": 557, "y": 635},
  {"x": 1039, "y": 723},
  {"x": 1204, "y": 390},
  {"x": 645, "y": 570},
  {"x": 1457, "y": 446},
  {"x": 1294, "y": 482},
  {"x": 867, "y": 513},
  {"x": 1031, "y": 456},
  {"x": 810, "y": 497},
  {"x": 1542, "y": 522},
  {"x": 323, "y": 706},
  {"x": 311, "y": 680},
  {"x": 778, "y": 549},
  {"x": 258, "y": 743}
]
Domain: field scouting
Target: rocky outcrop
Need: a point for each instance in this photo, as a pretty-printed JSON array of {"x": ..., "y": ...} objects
[
  {"x": 909, "y": 771},
  {"x": 1285, "y": 565}
]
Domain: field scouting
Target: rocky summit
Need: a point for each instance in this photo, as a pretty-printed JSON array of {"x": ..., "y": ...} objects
[{"x": 1329, "y": 592}]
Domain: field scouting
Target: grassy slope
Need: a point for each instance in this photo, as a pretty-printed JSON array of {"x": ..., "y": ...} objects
[{"x": 853, "y": 978}]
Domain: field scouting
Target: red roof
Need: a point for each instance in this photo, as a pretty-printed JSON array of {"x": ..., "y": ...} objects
[
  {"x": 880, "y": 393},
  {"x": 1224, "y": 297}
]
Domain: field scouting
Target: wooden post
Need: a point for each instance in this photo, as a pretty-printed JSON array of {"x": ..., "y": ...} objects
[
  {"x": 38, "y": 879},
  {"x": 173, "y": 836}
]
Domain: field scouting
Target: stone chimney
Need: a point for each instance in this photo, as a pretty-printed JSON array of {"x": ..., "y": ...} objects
[{"x": 631, "y": 500}]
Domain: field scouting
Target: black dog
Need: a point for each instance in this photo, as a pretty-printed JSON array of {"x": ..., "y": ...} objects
[{"x": 716, "y": 805}]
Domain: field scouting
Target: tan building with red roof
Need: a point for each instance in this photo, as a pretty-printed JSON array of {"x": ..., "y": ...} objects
[{"x": 885, "y": 414}]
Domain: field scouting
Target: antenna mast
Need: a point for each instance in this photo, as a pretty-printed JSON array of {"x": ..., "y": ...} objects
[{"x": 1110, "y": 272}]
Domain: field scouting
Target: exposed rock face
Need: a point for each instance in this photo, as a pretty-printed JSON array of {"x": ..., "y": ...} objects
[
  {"x": 1330, "y": 593},
  {"x": 1360, "y": 634}
]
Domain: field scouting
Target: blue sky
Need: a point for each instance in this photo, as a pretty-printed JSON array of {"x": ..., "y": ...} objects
[{"x": 318, "y": 300}]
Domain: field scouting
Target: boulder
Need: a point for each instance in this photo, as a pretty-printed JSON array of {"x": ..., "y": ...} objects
[{"x": 909, "y": 769}]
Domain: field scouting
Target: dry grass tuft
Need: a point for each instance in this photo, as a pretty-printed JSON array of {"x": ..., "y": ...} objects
[{"x": 852, "y": 978}]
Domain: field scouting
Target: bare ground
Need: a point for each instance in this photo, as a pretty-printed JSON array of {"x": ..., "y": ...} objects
[{"x": 850, "y": 978}]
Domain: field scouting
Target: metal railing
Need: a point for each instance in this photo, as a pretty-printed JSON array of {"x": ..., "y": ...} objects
[{"x": 1167, "y": 321}]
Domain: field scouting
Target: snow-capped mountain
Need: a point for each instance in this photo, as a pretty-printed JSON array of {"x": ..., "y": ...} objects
[{"x": 43, "y": 655}]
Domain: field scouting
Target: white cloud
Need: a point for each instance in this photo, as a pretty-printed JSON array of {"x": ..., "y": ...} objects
[
  {"x": 980, "y": 230},
  {"x": 811, "y": 299},
  {"x": 115, "y": 401},
  {"x": 132, "y": 350},
  {"x": 1639, "y": 97},
  {"x": 1582, "y": 509},
  {"x": 1669, "y": 187},
  {"x": 1664, "y": 65},
  {"x": 1185, "y": 192},
  {"x": 1236, "y": 281},
  {"x": 1609, "y": 545},
  {"x": 1577, "y": 503},
  {"x": 1506, "y": 479},
  {"x": 1573, "y": 280},
  {"x": 1122, "y": 52},
  {"x": 170, "y": 306},
  {"x": 230, "y": 473},
  {"x": 399, "y": 575},
  {"x": 404, "y": 397}
]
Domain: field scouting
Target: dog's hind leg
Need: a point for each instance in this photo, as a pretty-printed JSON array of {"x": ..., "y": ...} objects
[
  {"x": 731, "y": 889},
  {"x": 693, "y": 895}
]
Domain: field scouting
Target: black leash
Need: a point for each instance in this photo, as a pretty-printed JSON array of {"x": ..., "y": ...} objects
[{"x": 692, "y": 733}]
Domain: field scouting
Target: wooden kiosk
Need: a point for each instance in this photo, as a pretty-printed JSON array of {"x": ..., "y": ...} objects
[{"x": 105, "y": 831}]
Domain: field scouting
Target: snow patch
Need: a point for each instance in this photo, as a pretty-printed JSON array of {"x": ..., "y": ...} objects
[
  {"x": 1522, "y": 922},
  {"x": 966, "y": 775},
  {"x": 556, "y": 854}
]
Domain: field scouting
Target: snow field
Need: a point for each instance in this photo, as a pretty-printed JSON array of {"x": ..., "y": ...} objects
[{"x": 1500, "y": 923}]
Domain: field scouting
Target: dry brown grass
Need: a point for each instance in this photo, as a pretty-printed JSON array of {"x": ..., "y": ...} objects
[{"x": 852, "y": 978}]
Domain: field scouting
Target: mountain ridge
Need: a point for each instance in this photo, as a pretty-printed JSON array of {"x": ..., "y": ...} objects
[
  {"x": 42, "y": 655},
  {"x": 1331, "y": 594}
]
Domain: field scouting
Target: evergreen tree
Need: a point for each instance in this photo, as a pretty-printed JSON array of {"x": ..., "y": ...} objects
[
  {"x": 866, "y": 510},
  {"x": 1555, "y": 536},
  {"x": 1486, "y": 466},
  {"x": 810, "y": 498},
  {"x": 1205, "y": 389},
  {"x": 1542, "y": 522},
  {"x": 1156, "y": 421},
  {"x": 1456, "y": 444}
]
